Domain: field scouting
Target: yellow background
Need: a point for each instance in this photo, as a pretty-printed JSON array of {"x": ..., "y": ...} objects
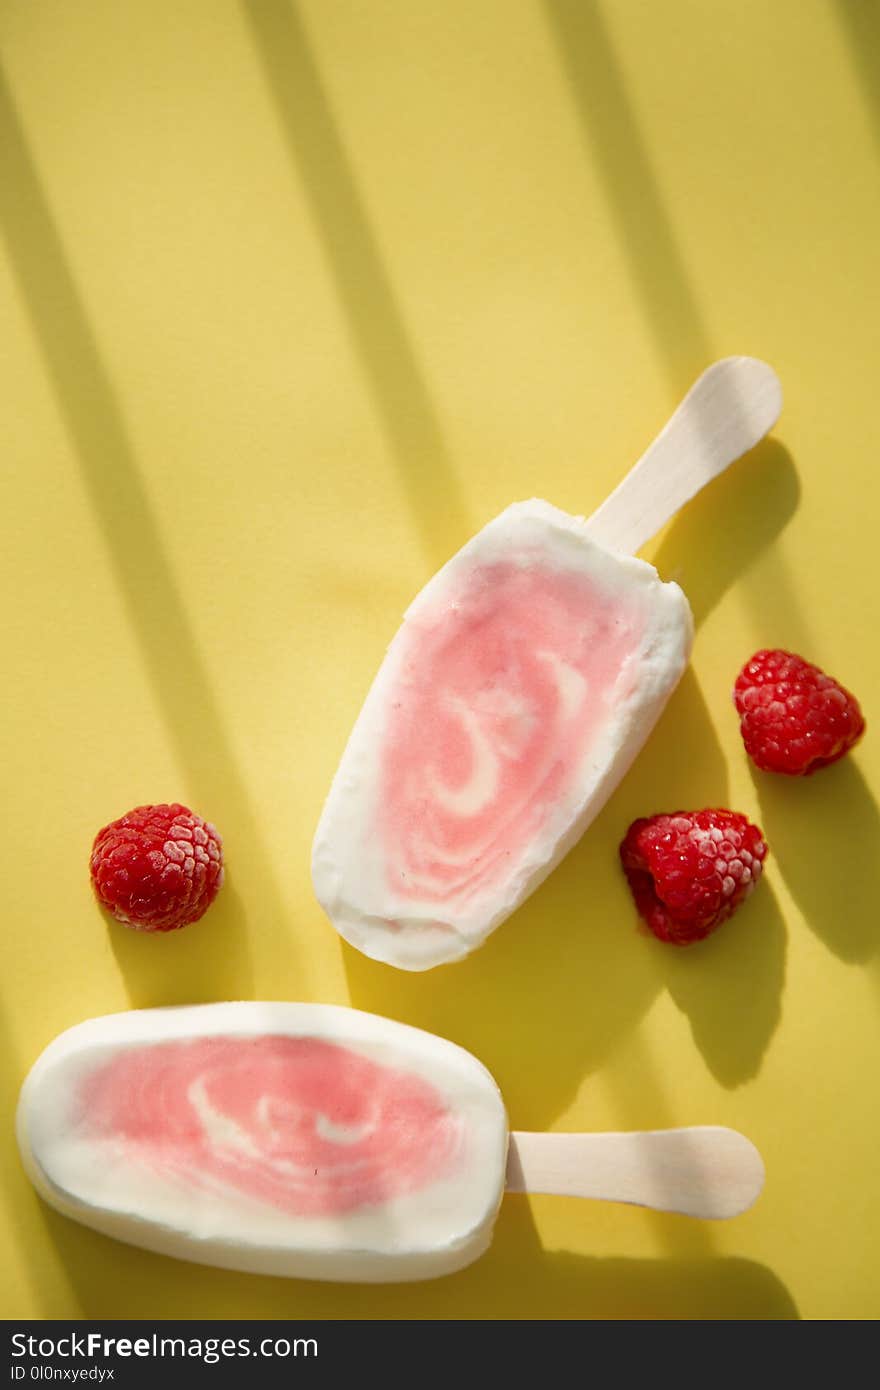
[{"x": 293, "y": 299}]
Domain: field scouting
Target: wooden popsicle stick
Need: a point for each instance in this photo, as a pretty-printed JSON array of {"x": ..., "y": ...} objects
[
  {"x": 706, "y": 1171},
  {"x": 727, "y": 410}
]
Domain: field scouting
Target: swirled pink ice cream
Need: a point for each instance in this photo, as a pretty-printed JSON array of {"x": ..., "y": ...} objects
[
  {"x": 307, "y": 1126},
  {"x": 282, "y": 1138},
  {"x": 523, "y": 681}
]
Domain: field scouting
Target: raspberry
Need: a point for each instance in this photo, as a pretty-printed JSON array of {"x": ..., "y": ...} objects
[
  {"x": 793, "y": 718},
  {"x": 690, "y": 871},
  {"x": 158, "y": 868}
]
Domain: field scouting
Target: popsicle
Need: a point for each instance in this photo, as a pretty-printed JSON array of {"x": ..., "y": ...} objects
[
  {"x": 319, "y": 1142},
  {"x": 521, "y": 685}
]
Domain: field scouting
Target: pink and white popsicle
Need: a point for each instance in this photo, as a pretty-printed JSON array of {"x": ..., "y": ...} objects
[
  {"x": 320, "y": 1142},
  {"x": 522, "y": 683}
]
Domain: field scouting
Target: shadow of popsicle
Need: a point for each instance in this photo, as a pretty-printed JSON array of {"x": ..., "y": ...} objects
[
  {"x": 516, "y": 1278},
  {"x": 716, "y": 539},
  {"x": 132, "y": 537},
  {"x": 366, "y": 292}
]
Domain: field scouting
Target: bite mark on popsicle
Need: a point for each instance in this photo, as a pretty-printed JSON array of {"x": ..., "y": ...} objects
[{"x": 298, "y": 1123}]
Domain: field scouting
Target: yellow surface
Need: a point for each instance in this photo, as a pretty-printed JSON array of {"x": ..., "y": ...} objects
[{"x": 294, "y": 298}]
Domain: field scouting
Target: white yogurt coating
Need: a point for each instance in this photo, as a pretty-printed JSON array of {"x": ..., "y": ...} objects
[
  {"x": 305, "y": 1140},
  {"x": 523, "y": 681}
]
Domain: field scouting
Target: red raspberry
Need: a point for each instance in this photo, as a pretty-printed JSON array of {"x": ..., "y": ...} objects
[
  {"x": 793, "y": 718},
  {"x": 690, "y": 870},
  {"x": 158, "y": 868}
]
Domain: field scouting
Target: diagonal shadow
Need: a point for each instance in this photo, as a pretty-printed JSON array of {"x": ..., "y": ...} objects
[
  {"x": 860, "y": 23},
  {"x": 644, "y": 227},
  {"x": 388, "y": 359},
  {"x": 646, "y": 232},
  {"x": 140, "y": 564}
]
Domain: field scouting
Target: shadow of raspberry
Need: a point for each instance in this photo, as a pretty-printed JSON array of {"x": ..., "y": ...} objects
[
  {"x": 730, "y": 986},
  {"x": 824, "y": 833},
  {"x": 201, "y": 963}
]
